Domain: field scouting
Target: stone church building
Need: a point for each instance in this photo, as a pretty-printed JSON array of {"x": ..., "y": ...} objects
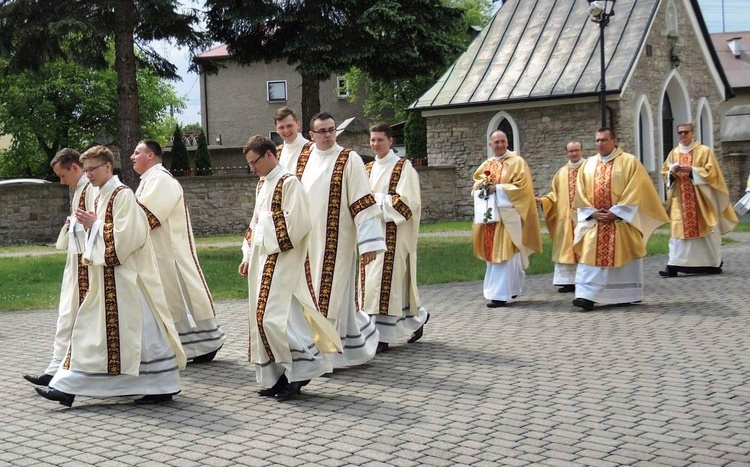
[{"x": 534, "y": 72}]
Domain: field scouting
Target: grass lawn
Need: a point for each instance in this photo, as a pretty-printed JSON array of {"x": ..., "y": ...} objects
[{"x": 33, "y": 282}]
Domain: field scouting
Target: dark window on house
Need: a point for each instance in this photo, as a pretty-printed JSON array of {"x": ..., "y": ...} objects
[
  {"x": 507, "y": 128},
  {"x": 275, "y": 138},
  {"x": 667, "y": 122},
  {"x": 641, "y": 144},
  {"x": 276, "y": 91}
]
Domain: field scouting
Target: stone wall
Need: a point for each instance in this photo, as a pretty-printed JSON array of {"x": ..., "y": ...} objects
[
  {"x": 219, "y": 205},
  {"x": 460, "y": 140},
  {"x": 32, "y": 214}
]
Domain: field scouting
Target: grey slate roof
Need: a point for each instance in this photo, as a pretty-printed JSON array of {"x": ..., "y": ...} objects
[{"x": 542, "y": 49}]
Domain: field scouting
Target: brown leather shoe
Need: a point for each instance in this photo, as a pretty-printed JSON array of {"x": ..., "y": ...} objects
[{"x": 382, "y": 347}]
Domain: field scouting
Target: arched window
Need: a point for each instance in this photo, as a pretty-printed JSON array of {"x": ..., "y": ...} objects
[
  {"x": 644, "y": 133},
  {"x": 504, "y": 122},
  {"x": 705, "y": 130},
  {"x": 672, "y": 28}
]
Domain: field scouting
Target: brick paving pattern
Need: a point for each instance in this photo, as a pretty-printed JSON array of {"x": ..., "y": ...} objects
[{"x": 660, "y": 383}]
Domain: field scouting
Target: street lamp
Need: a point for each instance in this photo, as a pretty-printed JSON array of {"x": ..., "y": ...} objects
[{"x": 600, "y": 12}]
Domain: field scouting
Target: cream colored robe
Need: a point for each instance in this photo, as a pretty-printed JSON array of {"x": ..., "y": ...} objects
[
  {"x": 160, "y": 196},
  {"x": 288, "y": 153},
  {"x": 275, "y": 248},
  {"x": 106, "y": 336},
  {"x": 75, "y": 282},
  {"x": 390, "y": 280}
]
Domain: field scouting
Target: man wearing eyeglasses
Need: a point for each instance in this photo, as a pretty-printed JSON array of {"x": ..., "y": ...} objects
[
  {"x": 618, "y": 209},
  {"x": 557, "y": 208},
  {"x": 345, "y": 228},
  {"x": 698, "y": 204},
  {"x": 289, "y": 337},
  {"x": 75, "y": 283},
  {"x": 123, "y": 341},
  {"x": 288, "y": 126},
  {"x": 190, "y": 302}
]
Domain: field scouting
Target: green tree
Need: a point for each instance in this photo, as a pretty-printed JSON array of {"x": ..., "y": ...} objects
[
  {"x": 415, "y": 136},
  {"x": 202, "y": 156},
  {"x": 180, "y": 160},
  {"x": 33, "y": 33},
  {"x": 388, "y": 39},
  {"x": 387, "y": 99},
  {"x": 65, "y": 105},
  {"x": 192, "y": 128}
]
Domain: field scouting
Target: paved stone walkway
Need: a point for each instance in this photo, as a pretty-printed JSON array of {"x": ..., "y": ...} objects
[{"x": 665, "y": 382}]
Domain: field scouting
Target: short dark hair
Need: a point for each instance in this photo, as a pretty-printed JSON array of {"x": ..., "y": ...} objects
[
  {"x": 320, "y": 116},
  {"x": 573, "y": 142},
  {"x": 610, "y": 130},
  {"x": 152, "y": 145},
  {"x": 382, "y": 128},
  {"x": 283, "y": 113},
  {"x": 259, "y": 144},
  {"x": 686, "y": 124},
  {"x": 66, "y": 157},
  {"x": 99, "y": 152}
]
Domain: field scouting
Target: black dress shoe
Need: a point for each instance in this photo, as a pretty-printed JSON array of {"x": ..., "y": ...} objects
[
  {"x": 586, "y": 304},
  {"x": 668, "y": 272},
  {"x": 416, "y": 335},
  {"x": 207, "y": 357},
  {"x": 496, "y": 304},
  {"x": 58, "y": 396},
  {"x": 154, "y": 399},
  {"x": 41, "y": 380},
  {"x": 280, "y": 384},
  {"x": 291, "y": 390},
  {"x": 382, "y": 347},
  {"x": 567, "y": 288}
]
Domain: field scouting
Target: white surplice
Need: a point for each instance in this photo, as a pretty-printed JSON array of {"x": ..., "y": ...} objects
[
  {"x": 390, "y": 291},
  {"x": 190, "y": 301},
  {"x": 289, "y": 153},
  {"x": 345, "y": 224},
  {"x": 123, "y": 341},
  {"x": 74, "y": 287},
  {"x": 288, "y": 335}
]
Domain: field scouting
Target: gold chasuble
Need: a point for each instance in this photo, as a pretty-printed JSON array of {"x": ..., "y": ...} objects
[
  {"x": 276, "y": 248},
  {"x": 621, "y": 181},
  {"x": 559, "y": 214},
  {"x": 107, "y": 334},
  {"x": 497, "y": 242},
  {"x": 692, "y": 206}
]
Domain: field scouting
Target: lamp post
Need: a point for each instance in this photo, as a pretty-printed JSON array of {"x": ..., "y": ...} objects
[{"x": 600, "y": 12}]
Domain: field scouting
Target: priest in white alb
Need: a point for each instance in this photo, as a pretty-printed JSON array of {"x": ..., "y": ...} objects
[
  {"x": 506, "y": 221},
  {"x": 289, "y": 337},
  {"x": 698, "y": 205},
  {"x": 123, "y": 341},
  {"x": 346, "y": 227},
  {"x": 190, "y": 302},
  {"x": 72, "y": 238},
  {"x": 388, "y": 284},
  {"x": 743, "y": 205},
  {"x": 618, "y": 209},
  {"x": 288, "y": 128},
  {"x": 559, "y": 217}
]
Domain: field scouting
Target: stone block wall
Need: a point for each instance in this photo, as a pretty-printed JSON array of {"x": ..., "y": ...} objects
[
  {"x": 219, "y": 205},
  {"x": 32, "y": 214}
]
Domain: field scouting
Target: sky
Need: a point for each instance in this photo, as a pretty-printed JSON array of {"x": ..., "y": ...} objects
[{"x": 735, "y": 17}]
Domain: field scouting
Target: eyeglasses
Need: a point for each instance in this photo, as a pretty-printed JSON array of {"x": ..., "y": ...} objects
[
  {"x": 329, "y": 131},
  {"x": 602, "y": 140},
  {"x": 91, "y": 169},
  {"x": 684, "y": 132},
  {"x": 257, "y": 159}
]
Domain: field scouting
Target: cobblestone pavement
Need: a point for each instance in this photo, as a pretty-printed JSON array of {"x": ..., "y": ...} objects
[{"x": 660, "y": 383}]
